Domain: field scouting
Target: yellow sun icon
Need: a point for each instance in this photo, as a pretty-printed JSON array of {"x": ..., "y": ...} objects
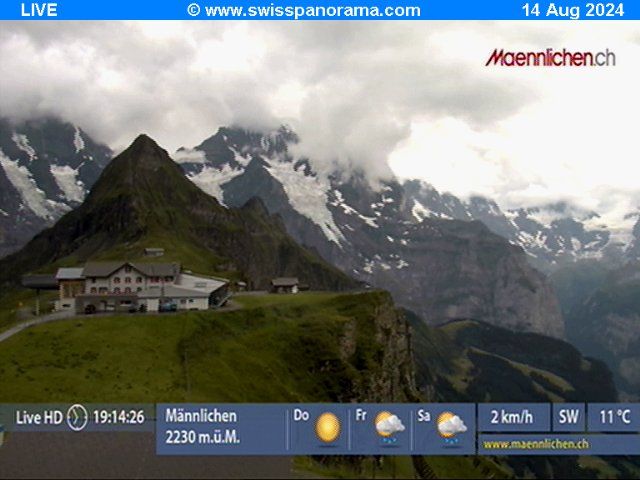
[{"x": 328, "y": 427}]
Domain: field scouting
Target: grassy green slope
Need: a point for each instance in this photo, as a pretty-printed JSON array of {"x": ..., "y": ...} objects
[
  {"x": 274, "y": 349},
  {"x": 280, "y": 348},
  {"x": 17, "y": 305}
]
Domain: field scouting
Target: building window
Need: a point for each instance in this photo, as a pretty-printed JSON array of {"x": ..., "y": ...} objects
[
  {"x": 138, "y": 279},
  {"x": 94, "y": 290},
  {"x": 127, "y": 280},
  {"x": 116, "y": 279},
  {"x": 127, "y": 269},
  {"x": 116, "y": 290},
  {"x": 93, "y": 280},
  {"x": 168, "y": 279},
  {"x": 127, "y": 290},
  {"x": 139, "y": 289},
  {"x": 183, "y": 301},
  {"x": 103, "y": 290},
  {"x": 191, "y": 300}
]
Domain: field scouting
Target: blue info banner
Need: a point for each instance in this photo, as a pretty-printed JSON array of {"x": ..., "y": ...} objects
[
  {"x": 319, "y": 10},
  {"x": 514, "y": 417},
  {"x": 316, "y": 429}
]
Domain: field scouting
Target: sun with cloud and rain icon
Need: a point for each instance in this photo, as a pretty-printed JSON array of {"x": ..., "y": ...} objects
[
  {"x": 387, "y": 425},
  {"x": 449, "y": 425}
]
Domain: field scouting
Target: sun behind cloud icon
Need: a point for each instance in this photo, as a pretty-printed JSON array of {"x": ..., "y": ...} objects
[
  {"x": 387, "y": 424},
  {"x": 450, "y": 424}
]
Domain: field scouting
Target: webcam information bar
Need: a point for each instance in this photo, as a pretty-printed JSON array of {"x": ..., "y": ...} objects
[
  {"x": 351, "y": 429},
  {"x": 574, "y": 10}
]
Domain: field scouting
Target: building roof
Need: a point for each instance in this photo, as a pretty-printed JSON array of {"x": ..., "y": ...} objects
[
  {"x": 284, "y": 282},
  {"x": 101, "y": 269},
  {"x": 104, "y": 269},
  {"x": 197, "y": 282},
  {"x": 172, "y": 292},
  {"x": 158, "y": 269},
  {"x": 69, "y": 274}
]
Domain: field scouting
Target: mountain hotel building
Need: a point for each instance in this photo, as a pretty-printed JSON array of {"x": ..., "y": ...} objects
[{"x": 126, "y": 286}]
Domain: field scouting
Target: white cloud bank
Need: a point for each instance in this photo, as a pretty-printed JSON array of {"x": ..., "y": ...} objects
[{"x": 413, "y": 98}]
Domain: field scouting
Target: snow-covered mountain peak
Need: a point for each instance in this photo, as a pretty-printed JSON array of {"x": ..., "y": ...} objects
[
  {"x": 341, "y": 201},
  {"x": 46, "y": 168},
  {"x": 233, "y": 152}
]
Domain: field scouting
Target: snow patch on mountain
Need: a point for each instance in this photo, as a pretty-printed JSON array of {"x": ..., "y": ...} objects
[
  {"x": 368, "y": 266},
  {"x": 22, "y": 142},
  {"x": 308, "y": 195},
  {"x": 67, "y": 179},
  {"x": 32, "y": 197},
  {"x": 78, "y": 141},
  {"x": 241, "y": 159},
  {"x": 420, "y": 212},
  {"x": 530, "y": 242},
  {"x": 511, "y": 215},
  {"x": 349, "y": 210},
  {"x": 211, "y": 179},
  {"x": 576, "y": 244}
]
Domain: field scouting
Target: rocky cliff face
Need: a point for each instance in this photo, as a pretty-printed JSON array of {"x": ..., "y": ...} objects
[
  {"x": 464, "y": 271},
  {"x": 604, "y": 322},
  {"x": 388, "y": 335},
  {"x": 634, "y": 250},
  {"x": 437, "y": 266}
]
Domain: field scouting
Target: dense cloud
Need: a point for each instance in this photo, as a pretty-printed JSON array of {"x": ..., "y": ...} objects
[{"x": 358, "y": 94}]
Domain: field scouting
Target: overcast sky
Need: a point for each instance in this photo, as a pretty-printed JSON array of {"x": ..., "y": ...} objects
[{"x": 410, "y": 97}]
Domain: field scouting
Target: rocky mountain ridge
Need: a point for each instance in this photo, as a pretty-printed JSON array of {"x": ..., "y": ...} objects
[
  {"x": 551, "y": 235},
  {"x": 602, "y": 312},
  {"x": 441, "y": 268}
]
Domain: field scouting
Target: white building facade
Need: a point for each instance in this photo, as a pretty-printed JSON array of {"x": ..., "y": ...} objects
[{"x": 138, "y": 287}]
